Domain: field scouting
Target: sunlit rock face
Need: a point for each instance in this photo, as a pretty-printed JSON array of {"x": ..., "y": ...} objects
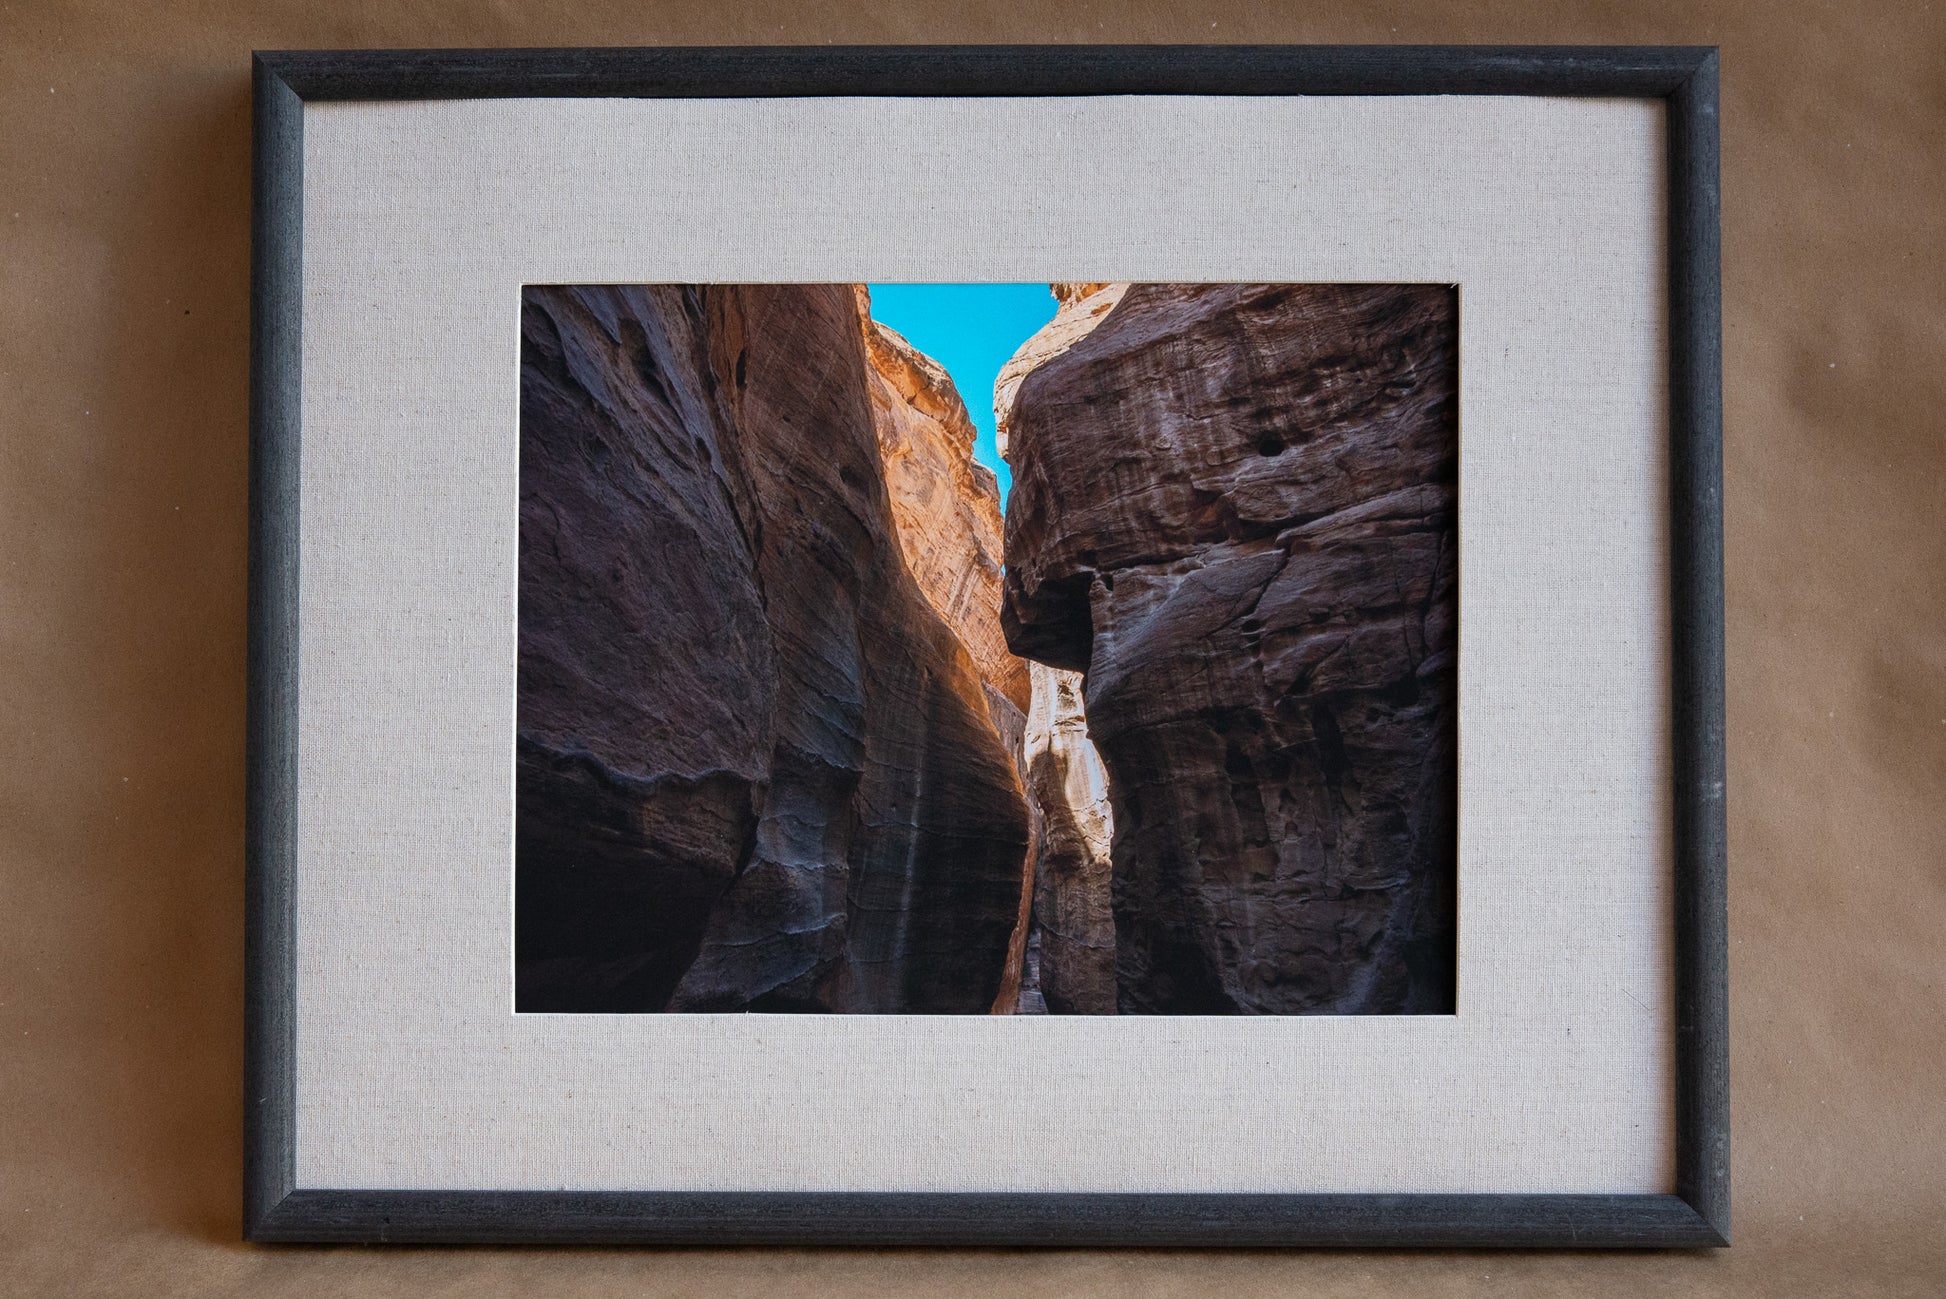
[
  {"x": 755, "y": 769},
  {"x": 1235, "y": 509},
  {"x": 945, "y": 505},
  {"x": 1069, "y": 789},
  {"x": 1083, "y": 306}
]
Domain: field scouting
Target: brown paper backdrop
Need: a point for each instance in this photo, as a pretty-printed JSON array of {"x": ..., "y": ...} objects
[{"x": 124, "y": 241}]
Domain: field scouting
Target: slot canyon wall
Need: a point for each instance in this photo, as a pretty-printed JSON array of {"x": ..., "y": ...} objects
[
  {"x": 1235, "y": 510},
  {"x": 765, "y": 758},
  {"x": 946, "y": 515}
]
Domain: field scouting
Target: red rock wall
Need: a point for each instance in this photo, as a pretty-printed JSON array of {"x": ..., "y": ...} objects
[
  {"x": 1234, "y": 508},
  {"x": 945, "y": 504},
  {"x": 755, "y": 769}
]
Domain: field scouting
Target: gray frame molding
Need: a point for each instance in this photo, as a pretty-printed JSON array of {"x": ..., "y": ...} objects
[{"x": 1697, "y": 1214}]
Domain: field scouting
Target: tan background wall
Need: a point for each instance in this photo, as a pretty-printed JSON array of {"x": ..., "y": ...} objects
[{"x": 124, "y": 232}]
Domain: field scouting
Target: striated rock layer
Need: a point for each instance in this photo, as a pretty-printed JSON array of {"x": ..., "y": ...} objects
[
  {"x": 1234, "y": 509},
  {"x": 1083, "y": 306},
  {"x": 755, "y": 769}
]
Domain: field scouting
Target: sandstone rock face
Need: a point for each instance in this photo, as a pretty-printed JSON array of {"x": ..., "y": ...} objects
[
  {"x": 1069, "y": 789},
  {"x": 945, "y": 505},
  {"x": 1083, "y": 306},
  {"x": 1234, "y": 509},
  {"x": 755, "y": 769},
  {"x": 1068, "y": 294}
]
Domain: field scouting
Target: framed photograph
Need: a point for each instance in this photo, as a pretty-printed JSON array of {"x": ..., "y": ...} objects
[{"x": 1019, "y": 646}]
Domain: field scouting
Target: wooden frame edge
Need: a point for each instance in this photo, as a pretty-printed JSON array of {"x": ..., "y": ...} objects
[
  {"x": 1696, "y": 624},
  {"x": 1032, "y": 70},
  {"x": 270, "y": 773},
  {"x": 1013, "y": 1220},
  {"x": 1697, "y": 1215}
]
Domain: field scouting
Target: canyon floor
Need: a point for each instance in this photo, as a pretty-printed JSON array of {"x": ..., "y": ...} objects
[{"x": 806, "y": 723}]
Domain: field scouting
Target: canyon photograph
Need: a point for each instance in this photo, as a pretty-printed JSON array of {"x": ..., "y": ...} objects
[{"x": 1085, "y": 648}]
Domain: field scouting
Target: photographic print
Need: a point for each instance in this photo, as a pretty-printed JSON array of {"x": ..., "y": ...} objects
[{"x": 1081, "y": 648}]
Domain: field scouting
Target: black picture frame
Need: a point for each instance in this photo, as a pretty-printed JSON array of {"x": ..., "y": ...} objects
[{"x": 1696, "y": 1214}]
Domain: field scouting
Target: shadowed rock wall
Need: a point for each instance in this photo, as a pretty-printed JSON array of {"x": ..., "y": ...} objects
[
  {"x": 1234, "y": 509},
  {"x": 755, "y": 769}
]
